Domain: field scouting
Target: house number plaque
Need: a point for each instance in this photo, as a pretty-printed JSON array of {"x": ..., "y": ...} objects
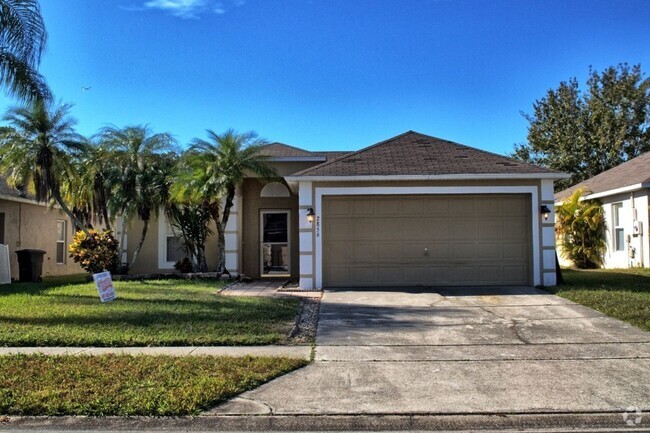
[{"x": 317, "y": 226}]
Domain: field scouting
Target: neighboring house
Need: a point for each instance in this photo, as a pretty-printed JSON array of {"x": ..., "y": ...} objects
[
  {"x": 413, "y": 210},
  {"x": 623, "y": 190},
  {"x": 24, "y": 223}
]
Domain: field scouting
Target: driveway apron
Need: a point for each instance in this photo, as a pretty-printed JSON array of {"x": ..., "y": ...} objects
[{"x": 461, "y": 351}]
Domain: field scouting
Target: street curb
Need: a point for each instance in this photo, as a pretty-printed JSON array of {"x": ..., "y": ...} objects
[{"x": 609, "y": 420}]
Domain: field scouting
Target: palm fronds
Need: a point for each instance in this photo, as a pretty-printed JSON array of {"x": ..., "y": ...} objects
[
  {"x": 23, "y": 38},
  {"x": 581, "y": 227}
]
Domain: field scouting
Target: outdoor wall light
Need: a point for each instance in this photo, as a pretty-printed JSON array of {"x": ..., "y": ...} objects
[
  {"x": 545, "y": 211},
  {"x": 310, "y": 215}
]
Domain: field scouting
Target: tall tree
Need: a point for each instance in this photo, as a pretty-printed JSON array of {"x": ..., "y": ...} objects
[
  {"x": 88, "y": 191},
  {"x": 22, "y": 42},
  {"x": 586, "y": 133},
  {"x": 36, "y": 150},
  {"x": 218, "y": 165},
  {"x": 143, "y": 183}
]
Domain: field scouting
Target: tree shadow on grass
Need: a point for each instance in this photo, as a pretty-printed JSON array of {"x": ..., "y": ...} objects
[
  {"x": 142, "y": 312},
  {"x": 610, "y": 280},
  {"x": 259, "y": 304}
]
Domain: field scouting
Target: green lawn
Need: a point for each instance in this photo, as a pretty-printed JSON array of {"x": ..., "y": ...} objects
[
  {"x": 620, "y": 293},
  {"x": 126, "y": 385},
  {"x": 60, "y": 312}
]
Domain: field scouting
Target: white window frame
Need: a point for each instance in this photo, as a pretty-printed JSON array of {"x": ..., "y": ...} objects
[
  {"x": 61, "y": 241},
  {"x": 275, "y": 211},
  {"x": 162, "y": 242},
  {"x": 617, "y": 225}
]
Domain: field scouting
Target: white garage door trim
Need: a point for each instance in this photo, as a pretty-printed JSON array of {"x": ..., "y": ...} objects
[{"x": 532, "y": 190}]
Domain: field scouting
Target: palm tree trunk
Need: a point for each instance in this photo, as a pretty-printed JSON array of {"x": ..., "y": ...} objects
[
  {"x": 107, "y": 222},
  {"x": 221, "y": 245},
  {"x": 78, "y": 224},
  {"x": 221, "y": 238},
  {"x": 122, "y": 249},
  {"x": 221, "y": 229},
  {"x": 143, "y": 235},
  {"x": 200, "y": 258}
]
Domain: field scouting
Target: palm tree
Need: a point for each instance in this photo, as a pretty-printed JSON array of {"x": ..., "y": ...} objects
[
  {"x": 218, "y": 165},
  {"x": 192, "y": 222},
  {"x": 37, "y": 148},
  {"x": 89, "y": 190},
  {"x": 581, "y": 226},
  {"x": 143, "y": 183},
  {"x": 22, "y": 42}
]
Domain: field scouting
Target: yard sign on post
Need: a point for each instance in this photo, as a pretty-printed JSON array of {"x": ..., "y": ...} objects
[{"x": 105, "y": 286}]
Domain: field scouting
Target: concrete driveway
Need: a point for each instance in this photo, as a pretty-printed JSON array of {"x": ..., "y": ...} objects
[{"x": 462, "y": 351}]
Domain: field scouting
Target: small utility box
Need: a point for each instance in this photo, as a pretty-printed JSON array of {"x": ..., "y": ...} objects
[{"x": 30, "y": 265}]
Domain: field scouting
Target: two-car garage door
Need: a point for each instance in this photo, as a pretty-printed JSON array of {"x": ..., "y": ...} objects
[{"x": 434, "y": 240}]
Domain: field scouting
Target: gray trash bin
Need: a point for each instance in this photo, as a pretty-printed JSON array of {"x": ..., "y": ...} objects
[{"x": 30, "y": 265}]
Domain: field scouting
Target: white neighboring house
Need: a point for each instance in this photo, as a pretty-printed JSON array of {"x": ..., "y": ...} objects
[{"x": 624, "y": 191}]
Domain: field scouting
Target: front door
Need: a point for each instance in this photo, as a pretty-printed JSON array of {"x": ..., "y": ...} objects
[{"x": 275, "y": 245}]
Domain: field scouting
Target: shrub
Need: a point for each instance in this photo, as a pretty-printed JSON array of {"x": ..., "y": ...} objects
[
  {"x": 581, "y": 227},
  {"x": 97, "y": 252},
  {"x": 184, "y": 266}
]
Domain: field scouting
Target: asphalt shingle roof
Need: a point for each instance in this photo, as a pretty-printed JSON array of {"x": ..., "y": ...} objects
[
  {"x": 284, "y": 150},
  {"x": 9, "y": 191},
  {"x": 413, "y": 153},
  {"x": 332, "y": 154},
  {"x": 632, "y": 172}
]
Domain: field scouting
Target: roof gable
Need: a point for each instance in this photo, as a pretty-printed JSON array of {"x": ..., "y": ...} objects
[
  {"x": 633, "y": 172},
  {"x": 413, "y": 154}
]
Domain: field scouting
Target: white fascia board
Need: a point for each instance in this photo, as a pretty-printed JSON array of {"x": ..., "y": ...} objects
[
  {"x": 624, "y": 189},
  {"x": 297, "y": 159},
  {"x": 469, "y": 176},
  {"x": 629, "y": 188}
]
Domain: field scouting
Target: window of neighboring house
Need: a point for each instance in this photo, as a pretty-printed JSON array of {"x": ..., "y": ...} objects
[
  {"x": 2, "y": 227},
  {"x": 60, "y": 241},
  {"x": 174, "y": 246},
  {"x": 619, "y": 232}
]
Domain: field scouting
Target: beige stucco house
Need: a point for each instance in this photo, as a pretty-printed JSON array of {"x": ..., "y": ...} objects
[
  {"x": 413, "y": 210},
  {"x": 623, "y": 191},
  {"x": 26, "y": 224}
]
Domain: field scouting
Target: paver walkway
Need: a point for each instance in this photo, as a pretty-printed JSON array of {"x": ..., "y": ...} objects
[
  {"x": 267, "y": 288},
  {"x": 462, "y": 351}
]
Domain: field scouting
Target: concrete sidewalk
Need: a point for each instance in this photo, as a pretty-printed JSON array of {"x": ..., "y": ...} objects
[
  {"x": 303, "y": 352},
  {"x": 457, "y": 352}
]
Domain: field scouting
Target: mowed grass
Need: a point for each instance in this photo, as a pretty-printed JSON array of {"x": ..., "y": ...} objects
[
  {"x": 620, "y": 293},
  {"x": 60, "y": 312},
  {"x": 129, "y": 385}
]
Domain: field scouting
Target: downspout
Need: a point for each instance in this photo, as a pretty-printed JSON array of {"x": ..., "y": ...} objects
[
  {"x": 630, "y": 258},
  {"x": 639, "y": 232},
  {"x": 20, "y": 223}
]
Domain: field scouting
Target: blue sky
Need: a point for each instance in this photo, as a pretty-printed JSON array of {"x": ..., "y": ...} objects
[{"x": 330, "y": 74}]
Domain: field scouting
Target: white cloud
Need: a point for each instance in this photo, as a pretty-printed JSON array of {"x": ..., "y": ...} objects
[
  {"x": 191, "y": 8},
  {"x": 219, "y": 8}
]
